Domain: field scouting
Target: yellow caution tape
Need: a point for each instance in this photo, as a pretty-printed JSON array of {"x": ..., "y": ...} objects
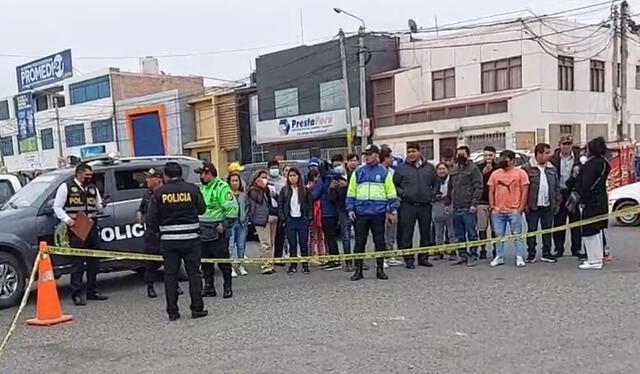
[{"x": 432, "y": 250}]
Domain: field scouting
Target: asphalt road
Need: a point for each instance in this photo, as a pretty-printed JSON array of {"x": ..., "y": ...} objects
[{"x": 545, "y": 318}]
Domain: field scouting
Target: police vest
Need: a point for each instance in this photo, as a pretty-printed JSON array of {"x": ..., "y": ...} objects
[
  {"x": 178, "y": 215},
  {"x": 81, "y": 200}
]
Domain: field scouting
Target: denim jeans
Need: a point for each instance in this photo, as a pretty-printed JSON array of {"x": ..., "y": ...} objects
[
  {"x": 297, "y": 230},
  {"x": 500, "y": 222},
  {"x": 543, "y": 216},
  {"x": 238, "y": 239},
  {"x": 464, "y": 225},
  {"x": 345, "y": 231}
]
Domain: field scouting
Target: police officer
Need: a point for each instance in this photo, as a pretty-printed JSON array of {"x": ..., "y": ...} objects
[
  {"x": 154, "y": 181},
  {"x": 75, "y": 196},
  {"x": 174, "y": 210},
  {"x": 222, "y": 208}
]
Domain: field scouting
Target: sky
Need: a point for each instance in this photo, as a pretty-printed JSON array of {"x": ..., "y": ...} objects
[{"x": 114, "y": 33}]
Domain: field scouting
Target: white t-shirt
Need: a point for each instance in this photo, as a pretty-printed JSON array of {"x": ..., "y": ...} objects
[
  {"x": 295, "y": 204},
  {"x": 543, "y": 190}
]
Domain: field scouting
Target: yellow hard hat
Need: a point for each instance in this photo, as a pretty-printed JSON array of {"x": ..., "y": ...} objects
[{"x": 235, "y": 167}]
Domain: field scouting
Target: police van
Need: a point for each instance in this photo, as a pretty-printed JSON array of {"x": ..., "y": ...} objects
[{"x": 27, "y": 217}]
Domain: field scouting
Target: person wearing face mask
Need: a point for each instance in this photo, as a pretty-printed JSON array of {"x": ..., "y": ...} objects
[
  {"x": 275, "y": 183},
  {"x": 80, "y": 195},
  {"x": 338, "y": 195},
  {"x": 258, "y": 212},
  {"x": 465, "y": 192}
]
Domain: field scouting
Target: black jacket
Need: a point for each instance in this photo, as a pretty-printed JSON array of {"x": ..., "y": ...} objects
[
  {"x": 415, "y": 184},
  {"x": 485, "y": 181},
  {"x": 465, "y": 186},
  {"x": 284, "y": 203},
  {"x": 338, "y": 193},
  {"x": 591, "y": 184},
  {"x": 176, "y": 204}
]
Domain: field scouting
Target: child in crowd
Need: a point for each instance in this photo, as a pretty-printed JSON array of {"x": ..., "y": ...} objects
[{"x": 238, "y": 236}]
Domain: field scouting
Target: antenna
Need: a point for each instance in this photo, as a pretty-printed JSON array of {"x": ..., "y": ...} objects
[{"x": 413, "y": 26}]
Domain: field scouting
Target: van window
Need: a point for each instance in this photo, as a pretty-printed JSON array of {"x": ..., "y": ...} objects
[
  {"x": 6, "y": 190},
  {"x": 131, "y": 179}
]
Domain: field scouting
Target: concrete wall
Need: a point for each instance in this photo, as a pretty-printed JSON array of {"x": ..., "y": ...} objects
[{"x": 130, "y": 85}]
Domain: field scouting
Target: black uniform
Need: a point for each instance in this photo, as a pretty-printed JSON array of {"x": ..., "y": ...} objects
[
  {"x": 151, "y": 240},
  {"x": 175, "y": 210}
]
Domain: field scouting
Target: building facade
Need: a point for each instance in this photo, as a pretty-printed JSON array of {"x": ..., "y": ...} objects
[
  {"x": 301, "y": 100},
  {"x": 501, "y": 87},
  {"x": 101, "y": 112}
]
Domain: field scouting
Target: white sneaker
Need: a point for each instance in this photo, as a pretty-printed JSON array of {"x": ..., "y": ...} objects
[
  {"x": 233, "y": 273},
  {"x": 242, "y": 270},
  {"x": 590, "y": 265},
  {"x": 520, "y": 262},
  {"x": 497, "y": 261},
  {"x": 385, "y": 264},
  {"x": 394, "y": 262}
]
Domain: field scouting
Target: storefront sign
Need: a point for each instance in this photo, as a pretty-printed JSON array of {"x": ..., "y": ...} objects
[
  {"x": 304, "y": 127},
  {"x": 92, "y": 150},
  {"x": 44, "y": 71},
  {"x": 27, "y": 141}
]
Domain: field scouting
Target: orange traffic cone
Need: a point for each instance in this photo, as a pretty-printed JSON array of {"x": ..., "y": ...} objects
[{"x": 48, "y": 309}]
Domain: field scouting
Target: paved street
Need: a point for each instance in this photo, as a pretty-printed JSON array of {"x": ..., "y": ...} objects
[{"x": 545, "y": 318}]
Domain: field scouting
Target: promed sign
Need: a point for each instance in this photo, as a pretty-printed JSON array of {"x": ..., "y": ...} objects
[{"x": 44, "y": 71}]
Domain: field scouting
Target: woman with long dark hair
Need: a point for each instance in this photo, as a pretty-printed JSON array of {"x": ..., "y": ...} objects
[
  {"x": 294, "y": 204},
  {"x": 258, "y": 205},
  {"x": 591, "y": 185},
  {"x": 238, "y": 238}
]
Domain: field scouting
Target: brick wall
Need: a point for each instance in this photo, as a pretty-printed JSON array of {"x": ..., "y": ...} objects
[{"x": 127, "y": 85}]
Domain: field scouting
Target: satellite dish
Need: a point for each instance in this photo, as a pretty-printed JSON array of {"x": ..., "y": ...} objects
[{"x": 413, "y": 26}]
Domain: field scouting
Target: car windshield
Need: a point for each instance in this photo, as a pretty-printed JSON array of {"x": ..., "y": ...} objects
[{"x": 30, "y": 193}]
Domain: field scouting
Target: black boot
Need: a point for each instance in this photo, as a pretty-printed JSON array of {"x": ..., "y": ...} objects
[
  {"x": 226, "y": 285},
  {"x": 483, "y": 248},
  {"x": 380, "y": 274},
  {"x": 208, "y": 290},
  {"x": 357, "y": 274},
  {"x": 151, "y": 292}
]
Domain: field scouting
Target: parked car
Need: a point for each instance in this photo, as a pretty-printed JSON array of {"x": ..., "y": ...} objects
[
  {"x": 30, "y": 212},
  {"x": 9, "y": 185},
  {"x": 625, "y": 197}
]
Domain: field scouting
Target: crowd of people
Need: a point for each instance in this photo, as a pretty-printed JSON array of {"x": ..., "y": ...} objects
[{"x": 454, "y": 201}]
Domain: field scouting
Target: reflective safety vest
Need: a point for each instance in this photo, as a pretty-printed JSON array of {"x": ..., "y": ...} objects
[
  {"x": 220, "y": 201},
  {"x": 177, "y": 206},
  {"x": 371, "y": 191},
  {"x": 81, "y": 199}
]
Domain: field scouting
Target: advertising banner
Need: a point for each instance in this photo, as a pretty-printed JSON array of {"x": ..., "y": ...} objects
[
  {"x": 27, "y": 141},
  {"x": 44, "y": 71}
]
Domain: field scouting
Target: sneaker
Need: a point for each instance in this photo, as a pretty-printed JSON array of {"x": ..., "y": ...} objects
[
  {"x": 548, "y": 258},
  {"x": 530, "y": 259},
  {"x": 591, "y": 266},
  {"x": 291, "y": 270},
  {"x": 333, "y": 266},
  {"x": 242, "y": 270},
  {"x": 233, "y": 273},
  {"x": 385, "y": 264},
  {"x": 268, "y": 271},
  {"x": 324, "y": 265},
  {"x": 520, "y": 262},
  {"x": 394, "y": 262},
  {"x": 497, "y": 261},
  {"x": 472, "y": 261},
  {"x": 305, "y": 270}
]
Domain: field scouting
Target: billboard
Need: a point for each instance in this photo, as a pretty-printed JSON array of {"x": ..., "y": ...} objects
[
  {"x": 44, "y": 71},
  {"x": 27, "y": 141}
]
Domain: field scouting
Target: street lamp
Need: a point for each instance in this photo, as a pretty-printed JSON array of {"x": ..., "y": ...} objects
[{"x": 338, "y": 10}]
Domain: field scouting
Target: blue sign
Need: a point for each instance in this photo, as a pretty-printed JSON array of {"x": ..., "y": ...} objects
[
  {"x": 44, "y": 71},
  {"x": 92, "y": 150},
  {"x": 27, "y": 141}
]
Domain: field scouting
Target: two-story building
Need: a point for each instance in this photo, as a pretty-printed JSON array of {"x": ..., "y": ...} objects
[
  {"x": 101, "y": 112},
  {"x": 301, "y": 96},
  {"x": 507, "y": 86}
]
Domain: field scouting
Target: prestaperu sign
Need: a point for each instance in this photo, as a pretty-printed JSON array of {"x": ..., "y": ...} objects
[
  {"x": 44, "y": 71},
  {"x": 305, "y": 127}
]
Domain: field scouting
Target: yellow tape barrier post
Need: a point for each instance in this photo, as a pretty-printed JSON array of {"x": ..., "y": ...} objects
[{"x": 433, "y": 250}]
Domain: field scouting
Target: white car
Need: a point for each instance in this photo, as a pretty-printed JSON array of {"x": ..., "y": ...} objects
[{"x": 625, "y": 197}]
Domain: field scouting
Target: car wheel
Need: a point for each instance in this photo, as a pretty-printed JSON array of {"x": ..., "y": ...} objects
[
  {"x": 12, "y": 280},
  {"x": 631, "y": 219}
]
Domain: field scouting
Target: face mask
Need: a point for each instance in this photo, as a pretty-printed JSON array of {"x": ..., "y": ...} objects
[
  {"x": 339, "y": 170},
  {"x": 274, "y": 172},
  {"x": 583, "y": 159},
  {"x": 462, "y": 160}
]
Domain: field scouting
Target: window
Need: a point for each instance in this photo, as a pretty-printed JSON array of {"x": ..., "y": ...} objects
[
  {"x": 566, "y": 130},
  {"x": 41, "y": 103},
  {"x": 90, "y": 90},
  {"x": 383, "y": 105},
  {"x": 637, "y": 81},
  {"x": 46, "y": 137},
  {"x": 565, "y": 73},
  {"x": 131, "y": 179},
  {"x": 502, "y": 75},
  {"x": 443, "y": 84},
  {"x": 204, "y": 156},
  {"x": 597, "y": 76},
  {"x": 60, "y": 101},
  {"x": 426, "y": 148},
  {"x": 102, "y": 131},
  {"x": 7, "y": 146},
  {"x": 298, "y": 154},
  {"x": 286, "y": 102},
  {"x": 4, "y": 110},
  {"x": 74, "y": 135},
  {"x": 331, "y": 95}
]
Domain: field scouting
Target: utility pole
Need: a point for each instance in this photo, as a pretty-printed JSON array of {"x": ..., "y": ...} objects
[
  {"x": 363, "y": 86},
  {"x": 615, "y": 78},
  {"x": 624, "y": 56},
  {"x": 345, "y": 85},
  {"x": 59, "y": 129}
]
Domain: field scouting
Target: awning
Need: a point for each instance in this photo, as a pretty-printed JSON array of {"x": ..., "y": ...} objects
[{"x": 200, "y": 144}]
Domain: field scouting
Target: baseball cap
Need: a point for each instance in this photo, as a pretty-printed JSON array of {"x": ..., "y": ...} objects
[
  {"x": 314, "y": 161},
  {"x": 371, "y": 148},
  {"x": 566, "y": 139},
  {"x": 206, "y": 166},
  {"x": 235, "y": 167},
  {"x": 153, "y": 173}
]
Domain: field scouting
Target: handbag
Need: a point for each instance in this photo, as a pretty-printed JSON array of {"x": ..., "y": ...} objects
[{"x": 573, "y": 200}]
